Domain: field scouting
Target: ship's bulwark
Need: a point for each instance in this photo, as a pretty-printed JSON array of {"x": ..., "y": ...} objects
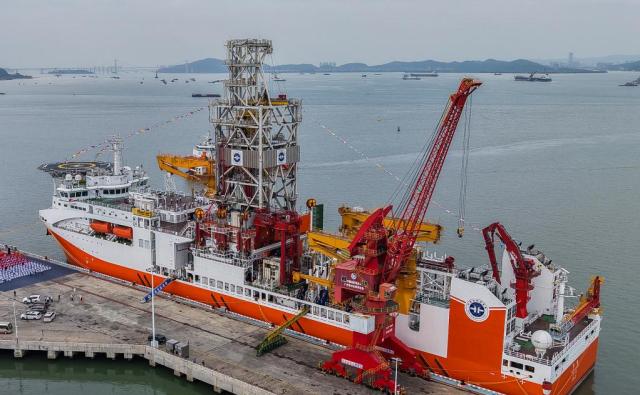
[{"x": 471, "y": 351}]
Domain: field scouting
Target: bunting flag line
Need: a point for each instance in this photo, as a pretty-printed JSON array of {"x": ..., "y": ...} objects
[{"x": 104, "y": 145}]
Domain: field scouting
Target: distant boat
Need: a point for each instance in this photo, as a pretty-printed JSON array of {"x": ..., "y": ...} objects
[
  {"x": 427, "y": 74},
  {"x": 410, "y": 77},
  {"x": 364, "y": 76},
  {"x": 276, "y": 78},
  {"x": 205, "y": 95},
  {"x": 326, "y": 73},
  {"x": 532, "y": 78},
  {"x": 635, "y": 82},
  {"x": 497, "y": 73},
  {"x": 156, "y": 75}
]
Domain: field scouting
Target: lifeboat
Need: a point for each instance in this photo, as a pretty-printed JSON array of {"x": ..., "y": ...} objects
[
  {"x": 123, "y": 232},
  {"x": 101, "y": 227}
]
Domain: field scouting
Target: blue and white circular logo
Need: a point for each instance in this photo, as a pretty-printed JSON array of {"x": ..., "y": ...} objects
[
  {"x": 236, "y": 157},
  {"x": 354, "y": 276},
  {"x": 477, "y": 310},
  {"x": 281, "y": 156}
]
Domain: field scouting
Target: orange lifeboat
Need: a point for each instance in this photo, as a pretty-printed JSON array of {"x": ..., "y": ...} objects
[
  {"x": 123, "y": 232},
  {"x": 101, "y": 227}
]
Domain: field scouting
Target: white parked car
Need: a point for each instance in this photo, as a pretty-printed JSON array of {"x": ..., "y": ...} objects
[
  {"x": 31, "y": 315},
  {"x": 49, "y": 316},
  {"x": 31, "y": 299},
  {"x": 37, "y": 299}
]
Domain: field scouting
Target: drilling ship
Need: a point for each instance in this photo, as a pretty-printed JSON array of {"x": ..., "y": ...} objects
[{"x": 374, "y": 289}]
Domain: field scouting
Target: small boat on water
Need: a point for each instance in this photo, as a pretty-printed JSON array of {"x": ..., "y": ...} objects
[
  {"x": 635, "y": 82},
  {"x": 410, "y": 77},
  {"x": 276, "y": 78},
  {"x": 497, "y": 73},
  {"x": 205, "y": 95},
  {"x": 533, "y": 78},
  {"x": 427, "y": 74}
]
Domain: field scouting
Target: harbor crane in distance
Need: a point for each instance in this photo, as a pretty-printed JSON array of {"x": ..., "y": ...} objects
[{"x": 366, "y": 282}]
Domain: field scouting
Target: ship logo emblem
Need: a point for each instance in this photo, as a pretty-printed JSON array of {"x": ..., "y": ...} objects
[
  {"x": 354, "y": 276},
  {"x": 281, "y": 156},
  {"x": 236, "y": 157},
  {"x": 476, "y": 310}
]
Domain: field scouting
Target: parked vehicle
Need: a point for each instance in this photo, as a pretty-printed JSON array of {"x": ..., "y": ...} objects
[
  {"x": 161, "y": 339},
  {"x": 41, "y": 307},
  {"x": 6, "y": 327},
  {"x": 37, "y": 299},
  {"x": 31, "y": 315},
  {"x": 49, "y": 316}
]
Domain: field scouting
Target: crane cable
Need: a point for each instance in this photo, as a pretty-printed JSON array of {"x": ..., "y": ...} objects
[
  {"x": 464, "y": 167},
  {"x": 404, "y": 181}
]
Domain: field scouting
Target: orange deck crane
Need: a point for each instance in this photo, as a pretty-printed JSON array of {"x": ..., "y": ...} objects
[
  {"x": 199, "y": 169},
  {"x": 366, "y": 282}
]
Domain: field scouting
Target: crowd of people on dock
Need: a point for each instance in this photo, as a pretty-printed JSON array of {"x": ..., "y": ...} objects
[{"x": 15, "y": 265}]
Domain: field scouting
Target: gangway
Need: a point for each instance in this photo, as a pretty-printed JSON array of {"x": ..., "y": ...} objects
[
  {"x": 157, "y": 289},
  {"x": 275, "y": 339}
]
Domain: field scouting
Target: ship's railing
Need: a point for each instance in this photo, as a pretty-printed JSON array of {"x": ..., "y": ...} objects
[
  {"x": 228, "y": 257},
  {"x": 550, "y": 361},
  {"x": 433, "y": 299},
  {"x": 119, "y": 206}
]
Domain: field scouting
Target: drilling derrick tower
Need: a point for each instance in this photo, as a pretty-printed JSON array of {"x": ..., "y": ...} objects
[
  {"x": 256, "y": 155},
  {"x": 256, "y": 135}
]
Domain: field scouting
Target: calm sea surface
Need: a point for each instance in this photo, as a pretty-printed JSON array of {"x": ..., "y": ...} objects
[{"x": 557, "y": 163}]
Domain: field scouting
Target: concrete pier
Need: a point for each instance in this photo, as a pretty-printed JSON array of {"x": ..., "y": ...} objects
[{"x": 111, "y": 322}]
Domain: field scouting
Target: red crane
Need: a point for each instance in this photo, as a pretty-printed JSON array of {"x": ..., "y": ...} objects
[
  {"x": 416, "y": 201},
  {"x": 523, "y": 269},
  {"x": 366, "y": 281}
]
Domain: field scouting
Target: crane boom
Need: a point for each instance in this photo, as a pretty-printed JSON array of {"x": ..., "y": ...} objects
[{"x": 416, "y": 201}]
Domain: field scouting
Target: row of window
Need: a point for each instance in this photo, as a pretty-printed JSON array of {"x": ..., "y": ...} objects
[
  {"x": 318, "y": 311},
  {"x": 74, "y": 194},
  {"x": 117, "y": 191},
  {"x": 518, "y": 365},
  {"x": 144, "y": 243}
]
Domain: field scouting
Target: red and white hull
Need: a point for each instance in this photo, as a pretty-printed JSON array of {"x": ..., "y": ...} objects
[{"x": 448, "y": 342}]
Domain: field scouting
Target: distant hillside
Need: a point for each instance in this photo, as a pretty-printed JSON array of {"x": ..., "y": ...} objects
[
  {"x": 6, "y": 76},
  {"x": 211, "y": 65},
  {"x": 631, "y": 66}
]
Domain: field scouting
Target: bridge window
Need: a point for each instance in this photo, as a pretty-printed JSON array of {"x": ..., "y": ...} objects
[
  {"x": 529, "y": 368},
  {"x": 205, "y": 281},
  {"x": 239, "y": 290},
  {"x": 516, "y": 365},
  {"x": 220, "y": 284},
  {"x": 212, "y": 283},
  {"x": 505, "y": 362}
]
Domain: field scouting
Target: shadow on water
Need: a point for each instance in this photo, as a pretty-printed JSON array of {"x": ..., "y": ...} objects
[{"x": 34, "y": 374}]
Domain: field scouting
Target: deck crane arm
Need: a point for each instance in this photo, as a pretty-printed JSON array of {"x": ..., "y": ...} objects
[
  {"x": 416, "y": 200},
  {"x": 523, "y": 269}
]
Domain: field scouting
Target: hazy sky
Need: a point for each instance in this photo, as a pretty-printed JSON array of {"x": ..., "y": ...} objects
[{"x": 160, "y": 32}]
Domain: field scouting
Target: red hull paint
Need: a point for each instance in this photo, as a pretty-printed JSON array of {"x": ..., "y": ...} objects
[
  {"x": 472, "y": 373},
  {"x": 468, "y": 369}
]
